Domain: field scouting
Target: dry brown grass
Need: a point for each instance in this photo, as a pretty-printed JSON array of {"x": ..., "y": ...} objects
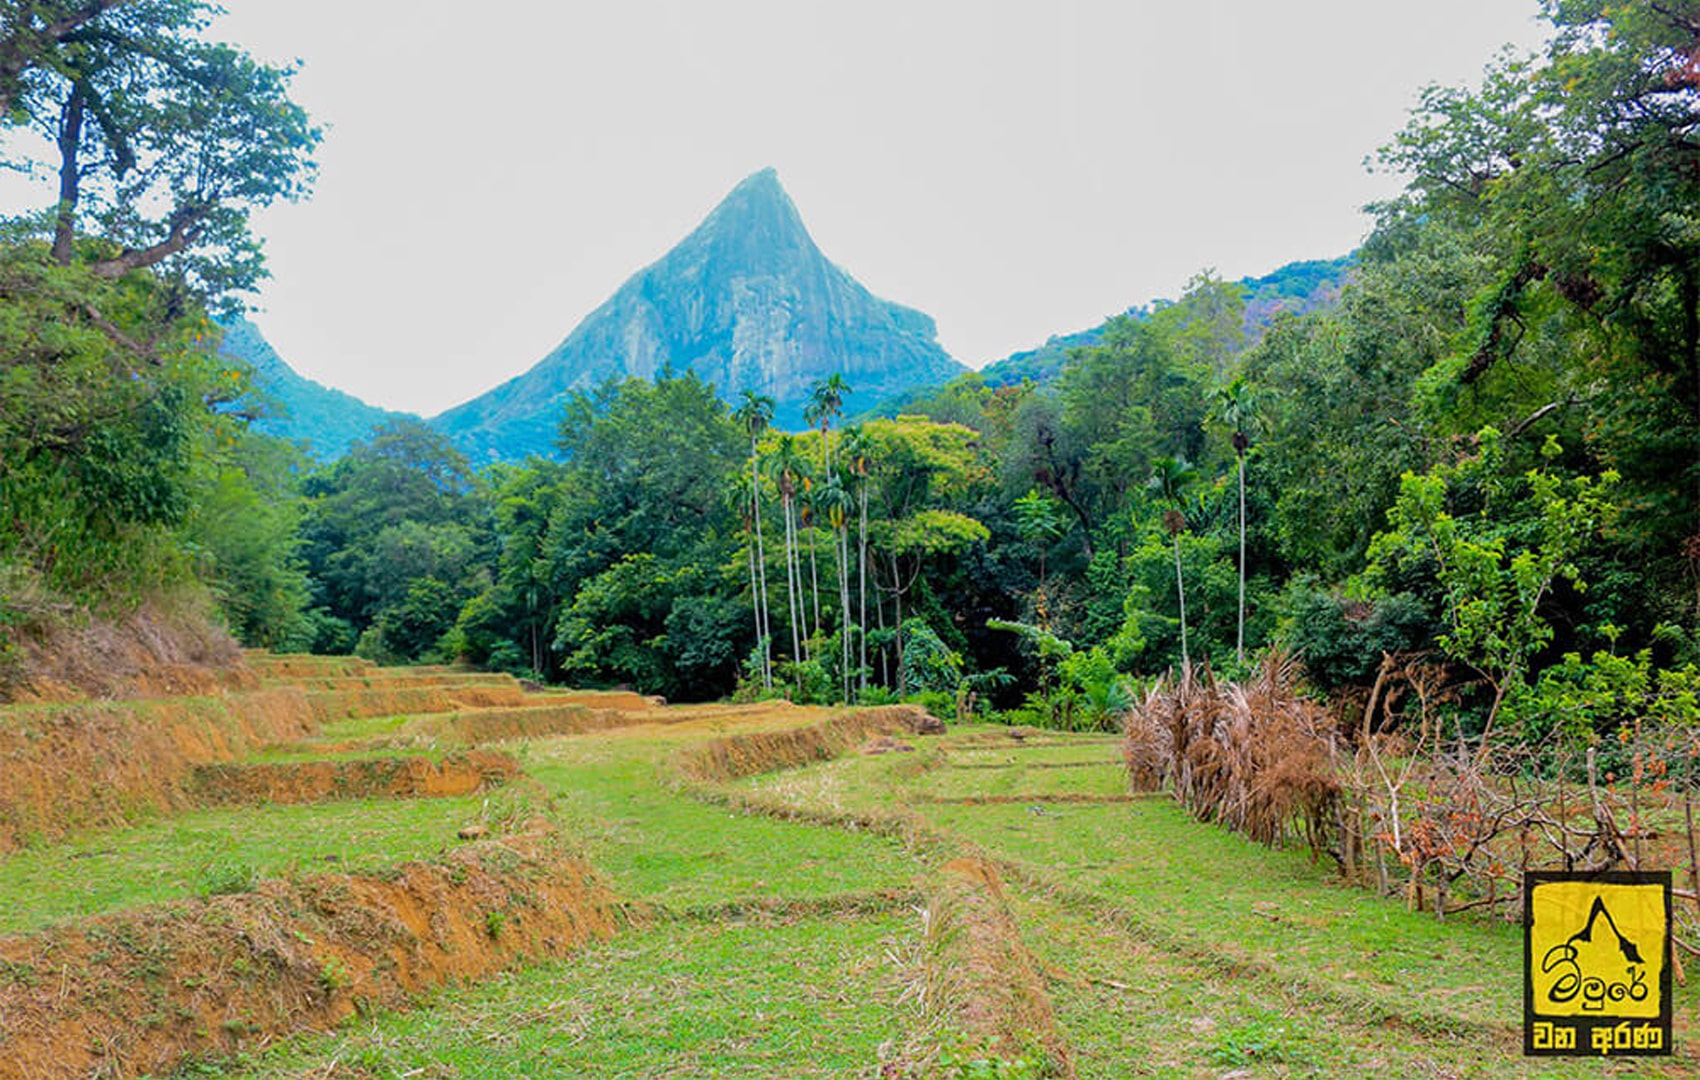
[
  {"x": 406, "y": 699},
  {"x": 92, "y": 765},
  {"x": 302, "y": 665},
  {"x": 982, "y": 987},
  {"x": 141, "y": 991},
  {"x": 159, "y": 650},
  {"x": 752, "y": 753},
  {"x": 1253, "y": 756},
  {"x": 321, "y": 781}
]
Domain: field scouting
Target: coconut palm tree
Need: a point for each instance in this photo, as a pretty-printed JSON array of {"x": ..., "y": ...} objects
[
  {"x": 755, "y": 414},
  {"x": 1236, "y": 405},
  {"x": 1170, "y": 478}
]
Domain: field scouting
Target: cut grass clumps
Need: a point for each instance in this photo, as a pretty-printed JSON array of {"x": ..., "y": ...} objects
[
  {"x": 74, "y": 767},
  {"x": 321, "y": 781},
  {"x": 985, "y": 996},
  {"x": 139, "y": 992}
]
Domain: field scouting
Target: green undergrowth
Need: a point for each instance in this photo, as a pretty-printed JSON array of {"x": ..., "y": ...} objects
[
  {"x": 815, "y": 997},
  {"x": 225, "y": 850}
]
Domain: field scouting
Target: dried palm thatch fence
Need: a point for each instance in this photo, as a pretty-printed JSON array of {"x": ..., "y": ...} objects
[
  {"x": 1393, "y": 789},
  {"x": 1255, "y": 757}
]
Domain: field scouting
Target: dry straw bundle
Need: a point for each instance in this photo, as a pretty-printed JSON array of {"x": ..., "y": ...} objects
[{"x": 1252, "y": 756}]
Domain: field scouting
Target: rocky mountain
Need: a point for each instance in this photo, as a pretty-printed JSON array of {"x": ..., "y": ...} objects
[
  {"x": 326, "y": 421},
  {"x": 747, "y": 301}
]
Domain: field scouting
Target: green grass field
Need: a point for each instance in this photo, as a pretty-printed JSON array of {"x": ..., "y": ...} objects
[{"x": 777, "y": 924}]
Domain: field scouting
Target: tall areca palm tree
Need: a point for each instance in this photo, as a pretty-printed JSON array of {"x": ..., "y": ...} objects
[
  {"x": 1170, "y": 478},
  {"x": 835, "y": 500},
  {"x": 738, "y": 500},
  {"x": 786, "y": 467},
  {"x": 858, "y": 451},
  {"x": 826, "y": 400},
  {"x": 1236, "y": 404},
  {"x": 754, "y": 414}
]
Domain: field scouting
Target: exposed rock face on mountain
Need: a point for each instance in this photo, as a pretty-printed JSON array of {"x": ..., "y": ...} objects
[
  {"x": 747, "y": 301},
  {"x": 325, "y": 420}
]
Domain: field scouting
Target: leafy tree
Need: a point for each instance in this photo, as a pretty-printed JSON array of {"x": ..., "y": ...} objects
[
  {"x": 164, "y": 142},
  {"x": 1041, "y": 523},
  {"x": 915, "y": 465},
  {"x": 1574, "y": 172},
  {"x": 641, "y": 544},
  {"x": 401, "y": 508},
  {"x": 1497, "y": 545}
]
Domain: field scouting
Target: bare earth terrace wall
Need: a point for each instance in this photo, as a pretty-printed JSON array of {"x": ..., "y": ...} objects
[
  {"x": 139, "y": 992},
  {"x": 753, "y": 753},
  {"x": 102, "y": 764},
  {"x": 242, "y": 784}
]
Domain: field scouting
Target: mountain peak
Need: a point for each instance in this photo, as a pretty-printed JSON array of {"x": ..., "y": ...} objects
[
  {"x": 748, "y": 302},
  {"x": 756, "y": 214}
]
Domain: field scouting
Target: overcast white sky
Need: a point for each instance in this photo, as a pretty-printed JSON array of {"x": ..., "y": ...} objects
[{"x": 491, "y": 172}]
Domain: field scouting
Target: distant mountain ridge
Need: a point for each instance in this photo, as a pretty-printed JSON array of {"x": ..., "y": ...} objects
[
  {"x": 326, "y": 420},
  {"x": 748, "y": 302},
  {"x": 1296, "y": 288}
]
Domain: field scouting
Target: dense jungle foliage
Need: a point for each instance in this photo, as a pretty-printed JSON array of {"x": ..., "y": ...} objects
[{"x": 1488, "y": 450}]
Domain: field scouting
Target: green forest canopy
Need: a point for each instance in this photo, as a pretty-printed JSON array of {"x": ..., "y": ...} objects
[{"x": 1518, "y": 349}]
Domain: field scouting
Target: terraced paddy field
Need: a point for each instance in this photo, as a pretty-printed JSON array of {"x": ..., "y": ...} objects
[{"x": 305, "y": 882}]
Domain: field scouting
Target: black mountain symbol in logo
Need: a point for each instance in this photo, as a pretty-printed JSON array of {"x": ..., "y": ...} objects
[{"x": 1595, "y": 914}]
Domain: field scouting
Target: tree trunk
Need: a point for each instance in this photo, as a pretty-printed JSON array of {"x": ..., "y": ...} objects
[
  {"x": 814, "y": 576},
  {"x": 764, "y": 624},
  {"x": 1239, "y": 640},
  {"x": 70, "y": 177},
  {"x": 862, "y": 592},
  {"x": 755, "y": 598},
  {"x": 897, "y": 593},
  {"x": 1180, "y": 595},
  {"x": 791, "y": 590},
  {"x": 844, "y": 606}
]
